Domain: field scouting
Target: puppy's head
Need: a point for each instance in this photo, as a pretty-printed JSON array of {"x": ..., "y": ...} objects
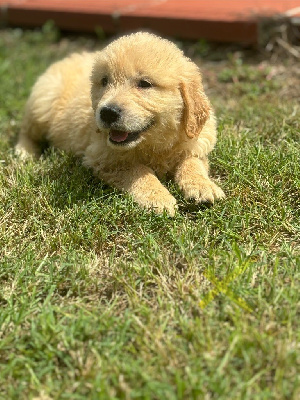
[{"x": 145, "y": 90}]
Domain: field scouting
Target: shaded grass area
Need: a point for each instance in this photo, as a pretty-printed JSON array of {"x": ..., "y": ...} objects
[{"x": 102, "y": 300}]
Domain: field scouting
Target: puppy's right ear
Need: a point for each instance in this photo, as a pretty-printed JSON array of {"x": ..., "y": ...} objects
[{"x": 197, "y": 107}]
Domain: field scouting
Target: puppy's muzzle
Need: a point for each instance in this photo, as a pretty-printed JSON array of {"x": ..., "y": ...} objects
[{"x": 110, "y": 114}]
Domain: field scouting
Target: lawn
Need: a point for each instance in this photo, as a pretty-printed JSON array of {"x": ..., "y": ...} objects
[{"x": 103, "y": 300}]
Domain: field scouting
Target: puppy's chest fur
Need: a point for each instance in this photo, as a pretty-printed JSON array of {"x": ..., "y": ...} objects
[{"x": 162, "y": 163}]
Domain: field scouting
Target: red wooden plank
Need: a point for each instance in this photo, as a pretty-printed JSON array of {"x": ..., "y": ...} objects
[
  {"x": 188, "y": 9},
  {"x": 234, "y": 20}
]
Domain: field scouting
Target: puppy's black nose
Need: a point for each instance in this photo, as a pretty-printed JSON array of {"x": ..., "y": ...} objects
[{"x": 110, "y": 114}]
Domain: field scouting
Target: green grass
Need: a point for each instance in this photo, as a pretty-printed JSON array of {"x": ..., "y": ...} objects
[{"x": 102, "y": 300}]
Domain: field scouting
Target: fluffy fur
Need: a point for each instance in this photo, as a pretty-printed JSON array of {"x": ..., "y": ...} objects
[{"x": 134, "y": 112}]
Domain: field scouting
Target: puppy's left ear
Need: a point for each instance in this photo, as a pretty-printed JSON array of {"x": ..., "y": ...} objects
[{"x": 196, "y": 105}]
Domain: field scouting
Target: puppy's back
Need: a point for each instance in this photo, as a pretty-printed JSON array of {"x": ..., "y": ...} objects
[
  {"x": 59, "y": 84},
  {"x": 54, "y": 108}
]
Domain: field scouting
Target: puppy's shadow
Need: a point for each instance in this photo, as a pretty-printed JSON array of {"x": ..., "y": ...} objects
[
  {"x": 68, "y": 181},
  {"x": 192, "y": 210}
]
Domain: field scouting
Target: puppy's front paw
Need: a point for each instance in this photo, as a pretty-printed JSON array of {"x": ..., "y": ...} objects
[
  {"x": 202, "y": 191},
  {"x": 164, "y": 203},
  {"x": 158, "y": 202}
]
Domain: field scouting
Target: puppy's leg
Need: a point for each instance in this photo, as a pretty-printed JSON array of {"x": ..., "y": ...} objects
[
  {"x": 30, "y": 137},
  {"x": 26, "y": 147},
  {"x": 192, "y": 177},
  {"x": 141, "y": 182}
]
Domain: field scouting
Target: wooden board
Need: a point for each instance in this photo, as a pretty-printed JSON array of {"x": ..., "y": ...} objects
[{"x": 217, "y": 20}]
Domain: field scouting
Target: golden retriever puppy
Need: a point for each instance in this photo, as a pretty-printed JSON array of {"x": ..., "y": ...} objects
[{"x": 134, "y": 112}]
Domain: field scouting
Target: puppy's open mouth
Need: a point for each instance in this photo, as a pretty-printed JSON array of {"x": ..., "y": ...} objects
[
  {"x": 119, "y": 137},
  {"x": 122, "y": 137}
]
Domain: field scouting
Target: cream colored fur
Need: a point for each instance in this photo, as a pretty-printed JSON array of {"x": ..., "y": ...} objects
[{"x": 176, "y": 121}]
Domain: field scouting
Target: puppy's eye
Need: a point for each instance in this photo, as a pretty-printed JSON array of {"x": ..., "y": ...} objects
[
  {"x": 104, "y": 81},
  {"x": 144, "y": 84}
]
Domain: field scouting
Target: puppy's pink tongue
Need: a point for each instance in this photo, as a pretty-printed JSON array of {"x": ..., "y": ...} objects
[{"x": 118, "y": 136}]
